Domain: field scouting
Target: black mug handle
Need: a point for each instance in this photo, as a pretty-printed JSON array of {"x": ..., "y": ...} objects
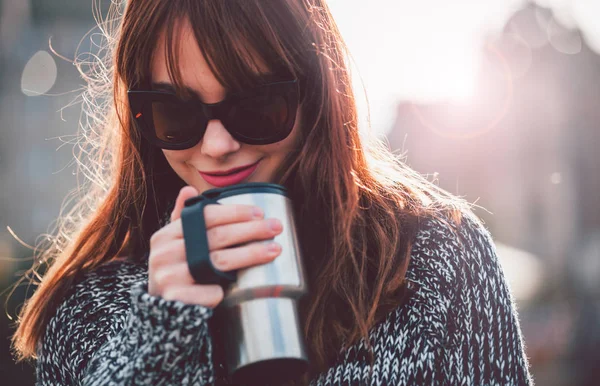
[{"x": 196, "y": 244}]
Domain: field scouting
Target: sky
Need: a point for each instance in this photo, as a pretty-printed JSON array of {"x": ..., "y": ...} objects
[{"x": 430, "y": 50}]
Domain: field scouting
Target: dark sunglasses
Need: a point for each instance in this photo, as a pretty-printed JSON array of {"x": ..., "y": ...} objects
[{"x": 258, "y": 116}]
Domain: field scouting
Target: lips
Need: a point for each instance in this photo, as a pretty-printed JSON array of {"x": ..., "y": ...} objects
[
  {"x": 229, "y": 177},
  {"x": 228, "y": 172}
]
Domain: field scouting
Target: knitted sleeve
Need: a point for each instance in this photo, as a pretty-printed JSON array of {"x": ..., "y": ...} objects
[
  {"x": 458, "y": 327},
  {"x": 110, "y": 331}
]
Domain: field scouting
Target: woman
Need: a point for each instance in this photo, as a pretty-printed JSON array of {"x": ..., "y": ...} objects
[{"x": 405, "y": 283}]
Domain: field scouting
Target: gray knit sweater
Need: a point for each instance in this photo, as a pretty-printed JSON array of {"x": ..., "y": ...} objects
[{"x": 459, "y": 327}]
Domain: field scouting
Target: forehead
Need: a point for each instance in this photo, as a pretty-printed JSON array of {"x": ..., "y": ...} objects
[{"x": 190, "y": 63}]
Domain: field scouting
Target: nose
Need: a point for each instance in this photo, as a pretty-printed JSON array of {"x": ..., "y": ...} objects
[{"x": 217, "y": 142}]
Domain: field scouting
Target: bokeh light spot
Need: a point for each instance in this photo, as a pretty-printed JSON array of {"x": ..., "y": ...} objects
[
  {"x": 556, "y": 178},
  {"x": 39, "y": 74}
]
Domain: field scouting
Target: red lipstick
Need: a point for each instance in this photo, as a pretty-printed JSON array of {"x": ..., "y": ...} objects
[{"x": 233, "y": 176}]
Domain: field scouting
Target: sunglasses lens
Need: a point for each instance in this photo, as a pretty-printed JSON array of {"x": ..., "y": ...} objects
[
  {"x": 257, "y": 117},
  {"x": 261, "y": 117},
  {"x": 173, "y": 123}
]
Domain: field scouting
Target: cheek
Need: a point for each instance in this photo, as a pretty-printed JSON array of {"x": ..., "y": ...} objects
[
  {"x": 175, "y": 156},
  {"x": 176, "y": 159}
]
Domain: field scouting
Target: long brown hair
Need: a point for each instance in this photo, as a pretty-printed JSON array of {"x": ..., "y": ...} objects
[{"x": 358, "y": 207}]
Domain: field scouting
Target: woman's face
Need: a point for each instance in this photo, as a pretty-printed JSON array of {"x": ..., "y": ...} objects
[{"x": 218, "y": 151}]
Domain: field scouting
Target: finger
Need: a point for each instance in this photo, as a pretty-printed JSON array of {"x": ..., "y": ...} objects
[
  {"x": 185, "y": 193},
  {"x": 245, "y": 256},
  {"x": 170, "y": 252},
  {"x": 172, "y": 275},
  {"x": 232, "y": 234},
  {"x": 171, "y": 231},
  {"x": 215, "y": 215},
  {"x": 204, "y": 295}
]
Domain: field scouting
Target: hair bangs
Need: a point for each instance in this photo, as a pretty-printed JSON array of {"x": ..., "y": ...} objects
[{"x": 237, "y": 40}]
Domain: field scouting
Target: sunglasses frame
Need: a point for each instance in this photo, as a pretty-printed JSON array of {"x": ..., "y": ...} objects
[{"x": 140, "y": 103}]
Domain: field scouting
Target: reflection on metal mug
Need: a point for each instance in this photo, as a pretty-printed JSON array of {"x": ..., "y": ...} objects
[{"x": 262, "y": 333}]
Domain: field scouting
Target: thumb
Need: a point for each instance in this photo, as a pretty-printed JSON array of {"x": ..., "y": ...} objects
[{"x": 185, "y": 193}]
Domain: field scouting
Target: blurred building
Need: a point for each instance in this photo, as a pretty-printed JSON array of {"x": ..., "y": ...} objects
[{"x": 525, "y": 148}]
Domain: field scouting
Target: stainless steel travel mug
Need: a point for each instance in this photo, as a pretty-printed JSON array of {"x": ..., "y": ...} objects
[{"x": 262, "y": 332}]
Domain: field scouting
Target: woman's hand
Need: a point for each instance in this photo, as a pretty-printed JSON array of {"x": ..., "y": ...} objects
[{"x": 227, "y": 225}]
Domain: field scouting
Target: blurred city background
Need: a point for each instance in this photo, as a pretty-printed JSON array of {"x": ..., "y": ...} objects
[{"x": 498, "y": 101}]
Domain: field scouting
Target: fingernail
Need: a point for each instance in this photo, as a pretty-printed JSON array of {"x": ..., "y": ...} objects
[
  {"x": 273, "y": 248},
  {"x": 257, "y": 212},
  {"x": 275, "y": 225}
]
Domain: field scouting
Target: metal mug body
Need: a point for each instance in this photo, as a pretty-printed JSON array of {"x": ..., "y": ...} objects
[
  {"x": 262, "y": 332},
  {"x": 283, "y": 277}
]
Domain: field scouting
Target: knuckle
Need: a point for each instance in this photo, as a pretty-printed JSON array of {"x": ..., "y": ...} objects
[
  {"x": 170, "y": 294},
  {"x": 215, "y": 296},
  {"x": 168, "y": 253},
  {"x": 152, "y": 261},
  {"x": 218, "y": 236},
  {"x": 179, "y": 249},
  {"x": 161, "y": 278},
  {"x": 155, "y": 238},
  {"x": 155, "y": 260}
]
